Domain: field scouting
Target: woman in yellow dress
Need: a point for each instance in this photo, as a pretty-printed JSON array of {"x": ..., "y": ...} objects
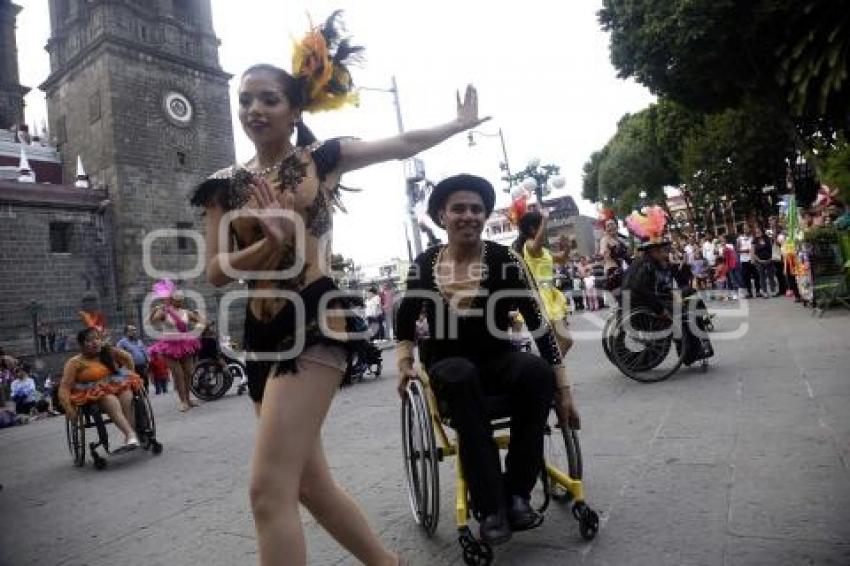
[
  {"x": 104, "y": 375},
  {"x": 531, "y": 246}
]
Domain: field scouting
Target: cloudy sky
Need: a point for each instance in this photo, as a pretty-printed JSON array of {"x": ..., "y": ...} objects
[{"x": 541, "y": 68}]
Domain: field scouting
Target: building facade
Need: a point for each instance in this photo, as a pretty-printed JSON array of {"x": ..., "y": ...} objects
[
  {"x": 136, "y": 90},
  {"x": 11, "y": 91},
  {"x": 564, "y": 220}
]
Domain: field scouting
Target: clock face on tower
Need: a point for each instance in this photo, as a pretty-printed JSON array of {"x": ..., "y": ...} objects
[{"x": 178, "y": 108}]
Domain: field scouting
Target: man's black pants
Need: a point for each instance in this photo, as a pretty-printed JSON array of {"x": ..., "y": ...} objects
[{"x": 529, "y": 382}]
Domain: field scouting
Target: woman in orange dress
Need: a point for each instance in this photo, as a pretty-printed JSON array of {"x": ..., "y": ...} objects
[{"x": 104, "y": 375}]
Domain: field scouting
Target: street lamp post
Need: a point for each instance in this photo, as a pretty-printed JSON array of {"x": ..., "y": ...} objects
[
  {"x": 504, "y": 165},
  {"x": 409, "y": 213}
]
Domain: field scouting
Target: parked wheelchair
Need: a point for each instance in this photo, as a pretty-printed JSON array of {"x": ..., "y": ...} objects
[
  {"x": 214, "y": 375},
  {"x": 425, "y": 443},
  {"x": 90, "y": 417}
]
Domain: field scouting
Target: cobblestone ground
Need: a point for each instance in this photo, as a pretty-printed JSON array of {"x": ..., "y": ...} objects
[{"x": 744, "y": 465}]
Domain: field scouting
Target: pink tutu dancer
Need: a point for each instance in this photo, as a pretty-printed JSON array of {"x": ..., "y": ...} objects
[{"x": 177, "y": 344}]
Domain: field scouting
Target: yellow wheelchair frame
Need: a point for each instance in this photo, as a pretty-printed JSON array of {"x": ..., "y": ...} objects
[{"x": 420, "y": 416}]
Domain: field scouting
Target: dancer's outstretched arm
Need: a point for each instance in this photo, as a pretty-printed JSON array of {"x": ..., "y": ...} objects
[{"x": 356, "y": 154}]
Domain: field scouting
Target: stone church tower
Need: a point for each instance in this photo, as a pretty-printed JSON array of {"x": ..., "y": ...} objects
[
  {"x": 11, "y": 92},
  {"x": 136, "y": 90}
]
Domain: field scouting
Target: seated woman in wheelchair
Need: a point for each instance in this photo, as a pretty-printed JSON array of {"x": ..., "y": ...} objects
[
  {"x": 469, "y": 288},
  {"x": 103, "y": 375}
]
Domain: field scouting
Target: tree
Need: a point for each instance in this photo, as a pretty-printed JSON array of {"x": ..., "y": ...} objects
[
  {"x": 735, "y": 153},
  {"x": 710, "y": 55},
  {"x": 590, "y": 179}
]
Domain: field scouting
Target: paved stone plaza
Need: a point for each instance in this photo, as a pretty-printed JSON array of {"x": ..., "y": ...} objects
[{"x": 745, "y": 465}]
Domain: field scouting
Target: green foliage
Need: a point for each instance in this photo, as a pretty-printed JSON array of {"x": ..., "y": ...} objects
[
  {"x": 833, "y": 167},
  {"x": 710, "y": 55}
]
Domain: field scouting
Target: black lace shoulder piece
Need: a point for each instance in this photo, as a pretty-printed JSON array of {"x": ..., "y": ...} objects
[
  {"x": 227, "y": 188},
  {"x": 326, "y": 156}
]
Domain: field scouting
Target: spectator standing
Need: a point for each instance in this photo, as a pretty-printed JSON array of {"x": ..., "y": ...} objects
[
  {"x": 778, "y": 238},
  {"x": 730, "y": 260},
  {"x": 42, "y": 337},
  {"x": 133, "y": 345},
  {"x": 749, "y": 275},
  {"x": 159, "y": 373},
  {"x": 51, "y": 337},
  {"x": 374, "y": 313},
  {"x": 387, "y": 304},
  {"x": 762, "y": 260}
]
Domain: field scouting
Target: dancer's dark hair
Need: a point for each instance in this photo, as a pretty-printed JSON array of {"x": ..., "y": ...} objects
[
  {"x": 104, "y": 355},
  {"x": 528, "y": 226}
]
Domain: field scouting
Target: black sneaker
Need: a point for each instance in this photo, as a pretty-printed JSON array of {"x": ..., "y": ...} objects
[
  {"x": 521, "y": 515},
  {"x": 494, "y": 529}
]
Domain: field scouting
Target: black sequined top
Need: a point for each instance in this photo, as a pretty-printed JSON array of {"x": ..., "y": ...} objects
[
  {"x": 229, "y": 188},
  {"x": 506, "y": 286}
]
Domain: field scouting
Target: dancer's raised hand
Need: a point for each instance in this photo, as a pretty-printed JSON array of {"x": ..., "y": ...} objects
[
  {"x": 467, "y": 110},
  {"x": 270, "y": 211}
]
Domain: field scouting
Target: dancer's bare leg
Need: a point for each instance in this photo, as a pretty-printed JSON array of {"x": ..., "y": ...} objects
[
  {"x": 112, "y": 407},
  {"x": 179, "y": 383},
  {"x": 126, "y": 400},
  {"x": 186, "y": 365},
  {"x": 291, "y": 417},
  {"x": 562, "y": 336}
]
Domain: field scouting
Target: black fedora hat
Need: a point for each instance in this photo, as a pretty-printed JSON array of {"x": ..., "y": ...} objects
[{"x": 462, "y": 182}]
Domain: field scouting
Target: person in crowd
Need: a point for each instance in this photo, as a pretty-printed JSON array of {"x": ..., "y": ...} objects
[
  {"x": 465, "y": 360},
  {"x": 730, "y": 260},
  {"x": 699, "y": 269},
  {"x": 23, "y": 391},
  {"x": 615, "y": 256},
  {"x": 375, "y": 314},
  {"x": 101, "y": 374},
  {"x": 135, "y": 346},
  {"x": 749, "y": 276},
  {"x": 762, "y": 260},
  {"x": 159, "y": 373},
  {"x": 387, "y": 307},
  {"x": 585, "y": 270},
  {"x": 300, "y": 179}
]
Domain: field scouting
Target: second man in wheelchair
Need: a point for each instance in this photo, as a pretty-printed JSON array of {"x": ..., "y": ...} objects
[{"x": 468, "y": 289}]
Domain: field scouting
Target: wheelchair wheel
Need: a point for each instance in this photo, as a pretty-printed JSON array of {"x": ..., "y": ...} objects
[
  {"x": 210, "y": 381},
  {"x": 563, "y": 451},
  {"x": 421, "y": 458},
  {"x": 608, "y": 335},
  {"x": 641, "y": 345},
  {"x": 145, "y": 422},
  {"x": 75, "y": 432}
]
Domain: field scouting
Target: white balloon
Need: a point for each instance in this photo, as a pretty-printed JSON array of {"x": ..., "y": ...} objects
[
  {"x": 516, "y": 192},
  {"x": 529, "y": 183},
  {"x": 534, "y": 163},
  {"x": 558, "y": 182}
]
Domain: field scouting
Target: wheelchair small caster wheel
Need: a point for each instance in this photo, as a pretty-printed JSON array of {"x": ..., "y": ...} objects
[
  {"x": 99, "y": 462},
  {"x": 588, "y": 521},
  {"x": 156, "y": 447},
  {"x": 475, "y": 552}
]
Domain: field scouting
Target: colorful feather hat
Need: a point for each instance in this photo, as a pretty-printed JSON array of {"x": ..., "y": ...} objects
[
  {"x": 322, "y": 58},
  {"x": 649, "y": 226}
]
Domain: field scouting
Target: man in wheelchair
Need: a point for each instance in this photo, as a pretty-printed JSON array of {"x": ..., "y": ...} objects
[
  {"x": 468, "y": 289},
  {"x": 103, "y": 375},
  {"x": 649, "y": 283}
]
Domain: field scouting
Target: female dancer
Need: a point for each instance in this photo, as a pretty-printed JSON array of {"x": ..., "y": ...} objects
[
  {"x": 104, "y": 375},
  {"x": 302, "y": 179},
  {"x": 531, "y": 245},
  {"x": 585, "y": 271},
  {"x": 177, "y": 345}
]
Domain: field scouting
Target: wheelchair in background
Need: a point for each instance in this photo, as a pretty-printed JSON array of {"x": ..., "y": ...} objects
[
  {"x": 649, "y": 348},
  {"x": 425, "y": 443},
  {"x": 90, "y": 417}
]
